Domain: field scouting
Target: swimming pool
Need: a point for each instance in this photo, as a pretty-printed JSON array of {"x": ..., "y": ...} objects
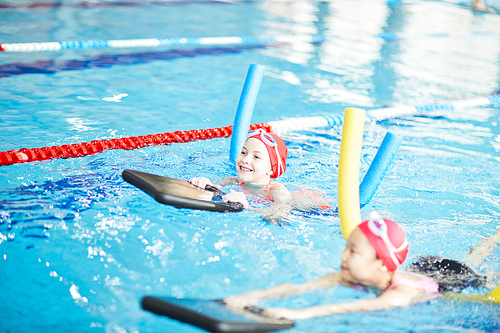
[{"x": 80, "y": 247}]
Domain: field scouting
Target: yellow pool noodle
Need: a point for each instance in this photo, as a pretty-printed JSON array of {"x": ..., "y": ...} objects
[
  {"x": 492, "y": 297},
  {"x": 495, "y": 295},
  {"x": 348, "y": 180}
]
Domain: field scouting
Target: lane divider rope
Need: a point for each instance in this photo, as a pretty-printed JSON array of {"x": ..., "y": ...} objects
[
  {"x": 279, "y": 127},
  {"x": 156, "y": 42},
  {"x": 306, "y": 123},
  {"x": 89, "y": 148}
]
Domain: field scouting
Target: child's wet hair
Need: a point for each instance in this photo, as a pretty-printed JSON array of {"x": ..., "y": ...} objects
[{"x": 451, "y": 275}]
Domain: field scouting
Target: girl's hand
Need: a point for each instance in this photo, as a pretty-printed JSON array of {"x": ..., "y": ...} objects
[
  {"x": 201, "y": 182},
  {"x": 282, "y": 313},
  {"x": 234, "y": 196},
  {"x": 240, "y": 302}
]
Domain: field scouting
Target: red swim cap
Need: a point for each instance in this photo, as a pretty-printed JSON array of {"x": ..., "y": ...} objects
[
  {"x": 276, "y": 149},
  {"x": 387, "y": 238}
]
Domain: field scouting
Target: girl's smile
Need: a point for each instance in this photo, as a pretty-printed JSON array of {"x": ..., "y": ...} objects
[
  {"x": 245, "y": 169},
  {"x": 253, "y": 163}
]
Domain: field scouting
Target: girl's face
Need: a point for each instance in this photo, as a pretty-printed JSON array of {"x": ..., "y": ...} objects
[
  {"x": 359, "y": 260},
  {"x": 253, "y": 163}
]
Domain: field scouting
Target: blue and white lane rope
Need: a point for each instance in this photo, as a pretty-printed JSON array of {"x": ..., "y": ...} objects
[
  {"x": 89, "y": 4},
  {"x": 155, "y": 42},
  {"x": 307, "y": 123}
]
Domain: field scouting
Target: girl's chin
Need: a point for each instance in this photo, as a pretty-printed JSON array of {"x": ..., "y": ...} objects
[
  {"x": 245, "y": 177},
  {"x": 344, "y": 274},
  {"x": 250, "y": 179}
]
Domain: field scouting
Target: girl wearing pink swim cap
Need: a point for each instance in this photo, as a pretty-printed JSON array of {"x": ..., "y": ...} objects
[
  {"x": 262, "y": 158},
  {"x": 370, "y": 259}
]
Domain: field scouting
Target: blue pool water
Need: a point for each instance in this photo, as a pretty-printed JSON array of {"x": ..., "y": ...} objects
[{"x": 79, "y": 247}]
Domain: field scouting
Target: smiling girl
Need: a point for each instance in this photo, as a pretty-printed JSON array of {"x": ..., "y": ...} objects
[{"x": 262, "y": 158}]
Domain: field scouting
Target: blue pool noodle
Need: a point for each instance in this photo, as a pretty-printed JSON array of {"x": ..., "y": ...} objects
[
  {"x": 245, "y": 109},
  {"x": 378, "y": 168}
]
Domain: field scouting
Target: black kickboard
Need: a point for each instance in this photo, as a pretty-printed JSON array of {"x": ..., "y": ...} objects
[
  {"x": 212, "y": 315},
  {"x": 177, "y": 192}
]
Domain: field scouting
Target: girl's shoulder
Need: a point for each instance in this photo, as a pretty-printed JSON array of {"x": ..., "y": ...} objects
[
  {"x": 416, "y": 281},
  {"x": 408, "y": 279},
  {"x": 275, "y": 186},
  {"x": 278, "y": 191},
  {"x": 403, "y": 275}
]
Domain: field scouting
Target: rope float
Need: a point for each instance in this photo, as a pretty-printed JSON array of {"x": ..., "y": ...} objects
[
  {"x": 279, "y": 127},
  {"x": 400, "y": 111},
  {"x": 307, "y": 123},
  {"x": 228, "y": 40},
  {"x": 89, "y": 148},
  {"x": 89, "y": 4}
]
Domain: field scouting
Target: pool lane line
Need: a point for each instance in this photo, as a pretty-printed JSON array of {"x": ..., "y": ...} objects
[
  {"x": 280, "y": 126},
  {"x": 400, "y": 111},
  {"x": 129, "y": 143},
  {"x": 92, "y": 4},
  {"x": 375, "y": 115},
  {"x": 228, "y": 40},
  {"x": 89, "y": 4}
]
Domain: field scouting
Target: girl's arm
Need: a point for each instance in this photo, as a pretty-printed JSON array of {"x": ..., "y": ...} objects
[
  {"x": 279, "y": 209},
  {"x": 483, "y": 250},
  {"x": 399, "y": 296},
  {"x": 282, "y": 203},
  {"x": 284, "y": 290},
  {"x": 275, "y": 213}
]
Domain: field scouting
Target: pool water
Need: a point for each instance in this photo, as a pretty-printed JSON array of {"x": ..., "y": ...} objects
[{"x": 79, "y": 247}]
